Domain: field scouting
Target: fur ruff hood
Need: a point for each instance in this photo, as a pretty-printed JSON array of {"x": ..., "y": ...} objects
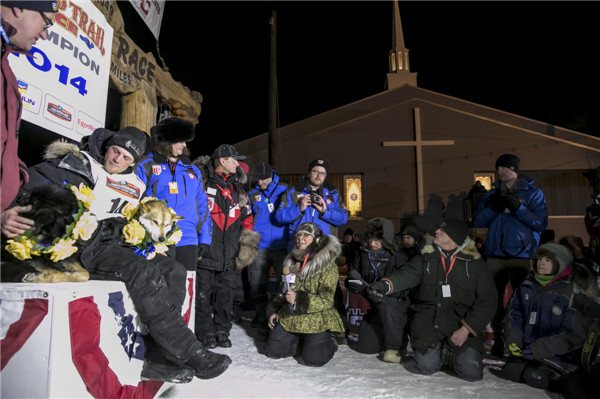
[
  {"x": 383, "y": 230},
  {"x": 204, "y": 163},
  {"x": 326, "y": 252},
  {"x": 467, "y": 248},
  {"x": 60, "y": 148}
]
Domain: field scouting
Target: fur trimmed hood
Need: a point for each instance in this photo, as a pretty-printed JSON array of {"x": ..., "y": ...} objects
[
  {"x": 467, "y": 248},
  {"x": 380, "y": 229},
  {"x": 205, "y": 162},
  {"x": 60, "y": 148},
  {"x": 325, "y": 253}
]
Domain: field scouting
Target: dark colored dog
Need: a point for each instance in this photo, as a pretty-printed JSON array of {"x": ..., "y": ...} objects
[{"x": 53, "y": 207}]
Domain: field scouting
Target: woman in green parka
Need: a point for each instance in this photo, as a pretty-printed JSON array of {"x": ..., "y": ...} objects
[{"x": 304, "y": 316}]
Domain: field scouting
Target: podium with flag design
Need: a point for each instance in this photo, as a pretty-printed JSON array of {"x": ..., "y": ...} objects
[{"x": 75, "y": 340}]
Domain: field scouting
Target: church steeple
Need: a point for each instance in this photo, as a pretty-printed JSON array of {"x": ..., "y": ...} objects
[{"x": 399, "y": 73}]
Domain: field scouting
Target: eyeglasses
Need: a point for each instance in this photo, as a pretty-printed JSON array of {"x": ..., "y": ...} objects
[
  {"x": 47, "y": 21},
  {"x": 317, "y": 173},
  {"x": 303, "y": 235}
]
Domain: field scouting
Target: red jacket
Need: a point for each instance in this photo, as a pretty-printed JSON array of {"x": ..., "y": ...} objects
[{"x": 13, "y": 171}]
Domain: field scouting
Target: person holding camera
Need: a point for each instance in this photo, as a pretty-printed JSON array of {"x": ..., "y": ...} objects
[{"x": 313, "y": 199}]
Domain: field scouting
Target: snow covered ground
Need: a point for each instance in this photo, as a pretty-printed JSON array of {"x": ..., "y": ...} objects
[{"x": 348, "y": 375}]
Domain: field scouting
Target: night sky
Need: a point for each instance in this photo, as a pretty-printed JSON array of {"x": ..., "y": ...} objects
[{"x": 536, "y": 59}]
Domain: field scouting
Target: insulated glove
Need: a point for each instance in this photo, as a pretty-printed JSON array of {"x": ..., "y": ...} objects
[
  {"x": 496, "y": 202},
  {"x": 377, "y": 291},
  {"x": 516, "y": 351},
  {"x": 512, "y": 201},
  {"x": 203, "y": 250}
]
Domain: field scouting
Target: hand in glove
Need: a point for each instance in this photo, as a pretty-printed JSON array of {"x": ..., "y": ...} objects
[
  {"x": 496, "y": 202},
  {"x": 355, "y": 283},
  {"x": 512, "y": 201},
  {"x": 356, "y": 286},
  {"x": 376, "y": 291},
  {"x": 516, "y": 351},
  {"x": 203, "y": 250}
]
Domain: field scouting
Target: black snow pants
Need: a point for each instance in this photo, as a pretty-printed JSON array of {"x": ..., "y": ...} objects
[{"x": 157, "y": 290}]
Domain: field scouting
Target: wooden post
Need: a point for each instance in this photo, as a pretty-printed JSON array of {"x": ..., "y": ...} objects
[
  {"x": 273, "y": 92},
  {"x": 139, "y": 108}
]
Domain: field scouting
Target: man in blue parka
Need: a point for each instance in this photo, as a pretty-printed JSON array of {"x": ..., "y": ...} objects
[
  {"x": 514, "y": 212},
  {"x": 314, "y": 200},
  {"x": 265, "y": 199}
]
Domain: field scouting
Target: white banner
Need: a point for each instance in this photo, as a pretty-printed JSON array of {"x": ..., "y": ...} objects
[
  {"x": 64, "y": 86},
  {"x": 151, "y": 12}
]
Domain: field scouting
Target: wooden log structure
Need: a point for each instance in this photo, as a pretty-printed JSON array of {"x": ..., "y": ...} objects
[{"x": 143, "y": 84}]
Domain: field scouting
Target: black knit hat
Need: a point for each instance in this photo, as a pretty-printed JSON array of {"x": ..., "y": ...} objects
[
  {"x": 318, "y": 162},
  {"x": 263, "y": 171},
  {"x": 171, "y": 131},
  {"x": 413, "y": 232},
  {"x": 131, "y": 139},
  {"x": 509, "y": 161},
  {"x": 44, "y": 6},
  {"x": 456, "y": 229}
]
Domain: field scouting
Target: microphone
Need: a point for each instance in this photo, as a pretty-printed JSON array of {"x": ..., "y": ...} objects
[{"x": 288, "y": 282}]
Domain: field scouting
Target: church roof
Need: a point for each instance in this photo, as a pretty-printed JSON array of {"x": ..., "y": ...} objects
[{"x": 416, "y": 96}]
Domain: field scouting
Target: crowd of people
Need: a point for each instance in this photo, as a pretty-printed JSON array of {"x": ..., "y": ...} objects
[{"x": 432, "y": 290}]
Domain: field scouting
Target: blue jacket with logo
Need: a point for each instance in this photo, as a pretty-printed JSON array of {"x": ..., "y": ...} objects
[
  {"x": 183, "y": 191},
  {"x": 273, "y": 234},
  {"x": 515, "y": 235},
  {"x": 336, "y": 214},
  {"x": 543, "y": 320}
]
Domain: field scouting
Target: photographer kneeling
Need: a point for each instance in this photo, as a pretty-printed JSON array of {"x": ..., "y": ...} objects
[{"x": 304, "y": 316}]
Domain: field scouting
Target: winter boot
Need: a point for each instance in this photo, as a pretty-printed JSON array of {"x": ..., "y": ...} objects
[
  {"x": 209, "y": 341},
  {"x": 166, "y": 372},
  {"x": 392, "y": 356},
  {"x": 223, "y": 340},
  {"x": 207, "y": 364}
]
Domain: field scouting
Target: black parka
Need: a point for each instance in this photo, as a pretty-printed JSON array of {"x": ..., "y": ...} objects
[{"x": 472, "y": 302}]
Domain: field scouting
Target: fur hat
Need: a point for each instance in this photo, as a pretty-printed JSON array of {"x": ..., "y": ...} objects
[
  {"x": 171, "y": 131},
  {"x": 560, "y": 256},
  {"x": 263, "y": 171},
  {"x": 227, "y": 151},
  {"x": 44, "y": 6},
  {"x": 509, "y": 161},
  {"x": 456, "y": 229},
  {"x": 318, "y": 162},
  {"x": 381, "y": 229},
  {"x": 413, "y": 232},
  {"x": 131, "y": 139}
]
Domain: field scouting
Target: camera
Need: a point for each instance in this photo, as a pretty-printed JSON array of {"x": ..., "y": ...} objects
[{"x": 314, "y": 196}]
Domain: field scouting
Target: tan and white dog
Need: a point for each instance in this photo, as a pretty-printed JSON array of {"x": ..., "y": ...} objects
[{"x": 157, "y": 219}]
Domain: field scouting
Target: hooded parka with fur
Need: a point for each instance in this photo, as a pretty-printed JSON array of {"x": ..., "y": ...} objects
[{"x": 472, "y": 300}]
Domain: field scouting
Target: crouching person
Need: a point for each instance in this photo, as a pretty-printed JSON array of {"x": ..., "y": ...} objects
[
  {"x": 544, "y": 332},
  {"x": 302, "y": 319},
  {"x": 456, "y": 299}
]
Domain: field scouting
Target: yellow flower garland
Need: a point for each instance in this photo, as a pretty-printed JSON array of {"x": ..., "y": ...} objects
[
  {"x": 135, "y": 234},
  {"x": 23, "y": 247}
]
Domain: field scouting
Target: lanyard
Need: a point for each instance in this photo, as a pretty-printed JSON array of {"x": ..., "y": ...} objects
[
  {"x": 304, "y": 263},
  {"x": 375, "y": 267},
  {"x": 451, "y": 265}
]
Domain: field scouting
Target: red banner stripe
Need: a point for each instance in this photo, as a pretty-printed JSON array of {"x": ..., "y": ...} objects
[
  {"x": 90, "y": 361},
  {"x": 34, "y": 311}
]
